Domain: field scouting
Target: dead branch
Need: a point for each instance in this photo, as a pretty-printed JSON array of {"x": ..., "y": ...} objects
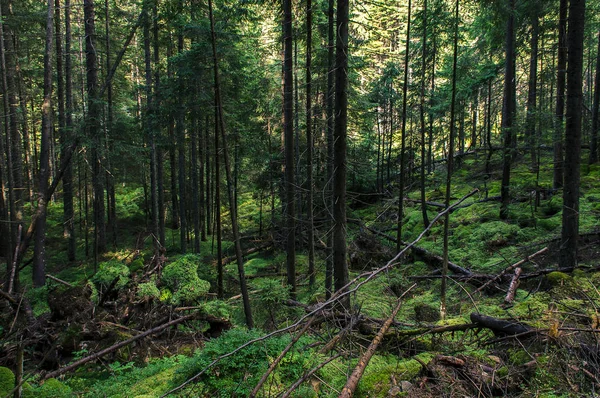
[
  {"x": 512, "y": 288},
  {"x": 55, "y": 279},
  {"x": 252, "y": 250},
  {"x": 510, "y": 268},
  {"x": 307, "y": 375},
  {"x": 347, "y": 329},
  {"x": 354, "y": 378},
  {"x": 280, "y": 357},
  {"x": 500, "y": 326},
  {"x": 115, "y": 347},
  {"x": 547, "y": 271}
]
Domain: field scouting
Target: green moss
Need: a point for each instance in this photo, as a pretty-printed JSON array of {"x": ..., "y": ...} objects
[
  {"x": 557, "y": 278},
  {"x": 51, "y": 388},
  {"x": 108, "y": 271},
  {"x": 181, "y": 277},
  {"x": 7, "y": 381},
  {"x": 148, "y": 290},
  {"x": 136, "y": 265}
]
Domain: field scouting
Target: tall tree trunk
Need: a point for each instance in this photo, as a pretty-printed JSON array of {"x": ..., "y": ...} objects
[
  {"x": 220, "y": 288},
  {"x": 288, "y": 127},
  {"x": 110, "y": 180},
  {"x": 180, "y": 131},
  {"x": 530, "y": 122},
  {"x": 450, "y": 165},
  {"x": 403, "y": 139},
  {"x": 69, "y": 213},
  {"x": 422, "y": 116},
  {"x": 39, "y": 250},
  {"x": 230, "y": 193},
  {"x": 340, "y": 264},
  {"x": 159, "y": 152},
  {"x": 93, "y": 126},
  {"x": 330, "y": 140},
  {"x": 561, "y": 71},
  {"x": 595, "y": 108},
  {"x": 309, "y": 147},
  {"x": 195, "y": 188},
  {"x": 570, "y": 215},
  {"x": 508, "y": 110}
]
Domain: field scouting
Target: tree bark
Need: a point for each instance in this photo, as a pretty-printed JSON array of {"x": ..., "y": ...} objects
[
  {"x": 403, "y": 139},
  {"x": 450, "y": 166},
  {"x": 508, "y": 110},
  {"x": 230, "y": 193},
  {"x": 69, "y": 213},
  {"x": 309, "y": 147},
  {"x": 340, "y": 262},
  {"x": 330, "y": 140},
  {"x": 561, "y": 72},
  {"x": 595, "y": 110},
  {"x": 422, "y": 116},
  {"x": 570, "y": 215},
  {"x": 288, "y": 128},
  {"x": 530, "y": 121},
  {"x": 39, "y": 255},
  {"x": 93, "y": 125}
]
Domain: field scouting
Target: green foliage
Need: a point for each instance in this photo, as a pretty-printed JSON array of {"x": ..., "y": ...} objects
[
  {"x": 181, "y": 277},
  {"x": 110, "y": 270}
]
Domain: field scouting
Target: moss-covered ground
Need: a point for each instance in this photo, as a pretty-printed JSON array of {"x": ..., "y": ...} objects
[{"x": 124, "y": 294}]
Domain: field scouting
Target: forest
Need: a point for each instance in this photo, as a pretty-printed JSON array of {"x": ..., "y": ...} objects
[{"x": 299, "y": 198}]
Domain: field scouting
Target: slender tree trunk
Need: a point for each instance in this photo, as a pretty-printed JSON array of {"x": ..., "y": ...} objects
[
  {"x": 160, "y": 185},
  {"x": 431, "y": 116},
  {"x": 180, "y": 130},
  {"x": 230, "y": 193},
  {"x": 94, "y": 128},
  {"x": 403, "y": 139},
  {"x": 288, "y": 128},
  {"x": 560, "y": 96},
  {"x": 201, "y": 180},
  {"x": 195, "y": 188},
  {"x": 39, "y": 255},
  {"x": 309, "y": 146},
  {"x": 330, "y": 146},
  {"x": 110, "y": 180},
  {"x": 340, "y": 264},
  {"x": 422, "y": 116},
  {"x": 508, "y": 110},
  {"x": 530, "y": 122},
  {"x": 450, "y": 165},
  {"x": 570, "y": 215},
  {"x": 220, "y": 289},
  {"x": 69, "y": 213},
  {"x": 595, "y": 108}
]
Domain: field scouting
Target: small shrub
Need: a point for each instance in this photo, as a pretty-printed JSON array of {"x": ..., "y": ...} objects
[{"x": 109, "y": 271}]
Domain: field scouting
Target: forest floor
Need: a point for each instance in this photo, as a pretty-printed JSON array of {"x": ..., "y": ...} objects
[{"x": 543, "y": 342}]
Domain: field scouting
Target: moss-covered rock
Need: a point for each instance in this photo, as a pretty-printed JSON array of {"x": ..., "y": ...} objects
[
  {"x": 7, "y": 381},
  {"x": 557, "y": 278}
]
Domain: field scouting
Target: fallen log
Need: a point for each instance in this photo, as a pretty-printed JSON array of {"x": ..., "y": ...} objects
[
  {"x": 512, "y": 288},
  {"x": 114, "y": 347},
  {"x": 500, "y": 326},
  {"x": 547, "y": 271},
  {"x": 457, "y": 269},
  {"x": 510, "y": 268},
  {"x": 354, "y": 378},
  {"x": 252, "y": 250}
]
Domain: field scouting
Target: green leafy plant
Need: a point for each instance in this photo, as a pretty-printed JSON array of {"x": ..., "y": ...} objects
[
  {"x": 109, "y": 271},
  {"x": 181, "y": 277}
]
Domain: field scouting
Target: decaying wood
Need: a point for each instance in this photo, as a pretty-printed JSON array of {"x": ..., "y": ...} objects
[
  {"x": 511, "y": 268},
  {"x": 500, "y": 326},
  {"x": 307, "y": 375},
  {"x": 8, "y": 297},
  {"x": 512, "y": 288},
  {"x": 55, "y": 279},
  {"x": 280, "y": 357},
  {"x": 354, "y": 378},
  {"x": 252, "y": 250},
  {"x": 115, "y": 347},
  {"x": 427, "y": 255},
  {"x": 342, "y": 333},
  {"x": 547, "y": 271}
]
